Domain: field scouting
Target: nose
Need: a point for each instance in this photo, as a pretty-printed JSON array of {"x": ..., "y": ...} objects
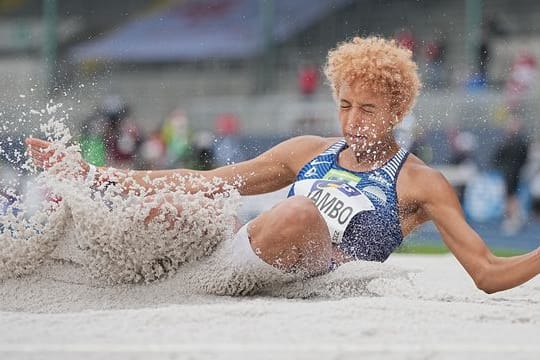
[{"x": 354, "y": 121}]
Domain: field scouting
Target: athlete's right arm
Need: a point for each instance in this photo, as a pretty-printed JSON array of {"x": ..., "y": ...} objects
[
  {"x": 270, "y": 171},
  {"x": 267, "y": 172}
]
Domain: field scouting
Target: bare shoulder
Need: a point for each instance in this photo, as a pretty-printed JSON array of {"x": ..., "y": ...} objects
[
  {"x": 424, "y": 183},
  {"x": 297, "y": 151}
]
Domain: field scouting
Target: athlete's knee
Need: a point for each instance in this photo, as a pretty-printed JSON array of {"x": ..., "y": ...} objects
[
  {"x": 298, "y": 211},
  {"x": 293, "y": 222}
]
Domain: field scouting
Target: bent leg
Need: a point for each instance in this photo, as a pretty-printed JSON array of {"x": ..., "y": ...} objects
[{"x": 292, "y": 235}]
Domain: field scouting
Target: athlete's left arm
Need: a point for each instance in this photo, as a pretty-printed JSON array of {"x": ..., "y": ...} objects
[{"x": 489, "y": 272}]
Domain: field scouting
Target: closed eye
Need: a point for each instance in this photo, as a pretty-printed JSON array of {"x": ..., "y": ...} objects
[
  {"x": 367, "y": 109},
  {"x": 344, "y": 104}
]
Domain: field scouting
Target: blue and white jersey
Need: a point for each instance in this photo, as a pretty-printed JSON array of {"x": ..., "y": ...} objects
[{"x": 360, "y": 208}]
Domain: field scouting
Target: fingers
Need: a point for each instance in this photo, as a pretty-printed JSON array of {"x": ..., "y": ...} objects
[
  {"x": 41, "y": 160},
  {"x": 43, "y": 155},
  {"x": 39, "y": 151},
  {"x": 37, "y": 143}
]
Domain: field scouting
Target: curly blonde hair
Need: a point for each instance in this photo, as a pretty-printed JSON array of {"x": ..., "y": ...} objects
[{"x": 378, "y": 65}]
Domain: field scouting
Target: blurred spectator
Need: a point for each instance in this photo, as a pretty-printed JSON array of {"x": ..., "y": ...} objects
[
  {"x": 434, "y": 53},
  {"x": 531, "y": 173},
  {"x": 308, "y": 120},
  {"x": 463, "y": 146},
  {"x": 153, "y": 151},
  {"x": 6, "y": 201},
  {"x": 509, "y": 158},
  {"x": 308, "y": 80},
  {"x": 494, "y": 25},
  {"x": 484, "y": 57},
  {"x": 406, "y": 39},
  {"x": 521, "y": 80},
  {"x": 203, "y": 143},
  {"x": 175, "y": 135},
  {"x": 9, "y": 187},
  {"x": 464, "y": 143},
  {"x": 228, "y": 148},
  {"x": 122, "y": 135},
  {"x": 92, "y": 141}
]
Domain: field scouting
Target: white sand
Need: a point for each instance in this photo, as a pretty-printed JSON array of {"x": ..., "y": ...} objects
[{"x": 409, "y": 307}]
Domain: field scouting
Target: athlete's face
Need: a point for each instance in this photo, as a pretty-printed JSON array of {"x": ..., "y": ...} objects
[{"x": 366, "y": 119}]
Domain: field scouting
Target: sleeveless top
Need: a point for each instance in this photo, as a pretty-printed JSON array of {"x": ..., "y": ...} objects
[{"x": 360, "y": 208}]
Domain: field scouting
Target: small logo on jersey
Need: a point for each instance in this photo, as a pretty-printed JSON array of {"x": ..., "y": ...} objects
[
  {"x": 380, "y": 179},
  {"x": 344, "y": 176},
  {"x": 311, "y": 172},
  {"x": 341, "y": 186},
  {"x": 377, "y": 192},
  {"x": 317, "y": 162}
]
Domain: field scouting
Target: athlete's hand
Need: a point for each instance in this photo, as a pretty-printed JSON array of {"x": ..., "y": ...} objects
[
  {"x": 41, "y": 152},
  {"x": 44, "y": 156}
]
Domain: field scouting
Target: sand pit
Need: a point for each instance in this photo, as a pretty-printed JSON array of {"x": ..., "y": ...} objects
[{"x": 410, "y": 307}]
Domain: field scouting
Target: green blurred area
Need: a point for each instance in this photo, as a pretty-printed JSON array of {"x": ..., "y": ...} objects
[{"x": 436, "y": 249}]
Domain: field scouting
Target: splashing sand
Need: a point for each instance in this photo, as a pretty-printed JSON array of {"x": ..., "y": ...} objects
[{"x": 103, "y": 230}]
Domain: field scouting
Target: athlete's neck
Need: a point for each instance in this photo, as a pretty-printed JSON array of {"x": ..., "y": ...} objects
[{"x": 369, "y": 157}]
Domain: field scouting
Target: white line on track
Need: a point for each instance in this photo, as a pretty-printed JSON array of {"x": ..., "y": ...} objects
[{"x": 273, "y": 347}]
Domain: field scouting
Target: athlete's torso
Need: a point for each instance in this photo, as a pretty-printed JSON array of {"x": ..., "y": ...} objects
[{"x": 360, "y": 208}]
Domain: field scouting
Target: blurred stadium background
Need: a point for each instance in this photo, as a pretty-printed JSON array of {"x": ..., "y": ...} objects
[{"x": 200, "y": 83}]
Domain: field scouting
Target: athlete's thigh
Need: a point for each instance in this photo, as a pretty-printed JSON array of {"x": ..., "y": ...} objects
[
  {"x": 293, "y": 231},
  {"x": 290, "y": 217}
]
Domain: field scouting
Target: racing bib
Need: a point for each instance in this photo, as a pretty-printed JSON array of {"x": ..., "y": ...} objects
[{"x": 337, "y": 202}]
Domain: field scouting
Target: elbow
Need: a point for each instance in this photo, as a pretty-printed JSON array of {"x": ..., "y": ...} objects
[
  {"x": 483, "y": 281},
  {"x": 486, "y": 288},
  {"x": 485, "y": 275}
]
